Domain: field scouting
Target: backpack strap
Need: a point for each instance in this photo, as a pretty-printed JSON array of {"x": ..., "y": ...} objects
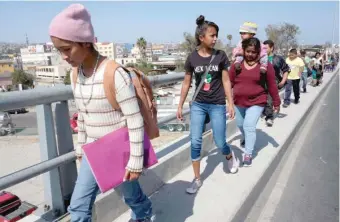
[
  {"x": 109, "y": 83},
  {"x": 263, "y": 80}
]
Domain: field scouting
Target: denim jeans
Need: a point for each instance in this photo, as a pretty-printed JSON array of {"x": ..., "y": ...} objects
[
  {"x": 246, "y": 119},
  {"x": 218, "y": 120},
  {"x": 304, "y": 80},
  {"x": 295, "y": 84},
  {"x": 86, "y": 190}
]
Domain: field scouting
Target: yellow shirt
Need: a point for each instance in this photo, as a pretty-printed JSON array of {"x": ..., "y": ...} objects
[{"x": 295, "y": 66}]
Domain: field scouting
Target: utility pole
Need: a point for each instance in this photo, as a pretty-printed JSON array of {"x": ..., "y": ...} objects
[
  {"x": 27, "y": 42},
  {"x": 333, "y": 32}
]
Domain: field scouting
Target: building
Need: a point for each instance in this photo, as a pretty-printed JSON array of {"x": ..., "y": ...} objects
[
  {"x": 170, "y": 58},
  {"x": 124, "y": 61},
  {"x": 135, "y": 52},
  {"x": 106, "y": 49},
  {"x": 36, "y": 55},
  {"x": 51, "y": 72},
  {"x": 5, "y": 79},
  {"x": 6, "y": 65},
  {"x": 123, "y": 49}
]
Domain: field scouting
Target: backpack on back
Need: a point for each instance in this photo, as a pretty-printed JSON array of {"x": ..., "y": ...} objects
[{"x": 143, "y": 93}]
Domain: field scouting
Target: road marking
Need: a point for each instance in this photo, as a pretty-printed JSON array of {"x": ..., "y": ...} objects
[{"x": 322, "y": 160}]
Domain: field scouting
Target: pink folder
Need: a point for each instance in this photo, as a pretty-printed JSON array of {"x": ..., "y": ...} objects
[{"x": 109, "y": 155}]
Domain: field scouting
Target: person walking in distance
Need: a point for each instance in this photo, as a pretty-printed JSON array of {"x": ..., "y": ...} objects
[
  {"x": 250, "y": 91},
  {"x": 281, "y": 73},
  {"x": 72, "y": 34},
  {"x": 318, "y": 67},
  {"x": 209, "y": 67},
  {"x": 296, "y": 66},
  {"x": 306, "y": 69}
]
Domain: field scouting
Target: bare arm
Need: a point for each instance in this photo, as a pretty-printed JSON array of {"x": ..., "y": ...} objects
[
  {"x": 227, "y": 87},
  {"x": 185, "y": 88},
  {"x": 184, "y": 93}
]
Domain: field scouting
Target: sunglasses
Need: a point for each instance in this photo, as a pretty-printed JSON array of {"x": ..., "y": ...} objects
[{"x": 243, "y": 33}]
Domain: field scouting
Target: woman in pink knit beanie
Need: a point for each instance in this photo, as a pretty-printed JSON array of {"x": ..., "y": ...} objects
[{"x": 72, "y": 34}]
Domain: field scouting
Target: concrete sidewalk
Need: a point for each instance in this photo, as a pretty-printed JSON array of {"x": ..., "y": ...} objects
[{"x": 222, "y": 194}]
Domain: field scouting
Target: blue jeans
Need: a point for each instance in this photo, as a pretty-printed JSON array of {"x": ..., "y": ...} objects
[
  {"x": 86, "y": 190},
  {"x": 247, "y": 119},
  {"x": 304, "y": 80},
  {"x": 218, "y": 118}
]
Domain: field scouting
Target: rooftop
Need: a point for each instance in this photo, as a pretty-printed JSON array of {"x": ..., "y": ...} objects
[{"x": 6, "y": 61}]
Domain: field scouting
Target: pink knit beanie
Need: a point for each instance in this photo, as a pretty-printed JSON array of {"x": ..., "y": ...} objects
[{"x": 73, "y": 24}]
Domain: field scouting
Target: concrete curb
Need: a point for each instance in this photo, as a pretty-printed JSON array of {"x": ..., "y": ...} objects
[{"x": 250, "y": 200}]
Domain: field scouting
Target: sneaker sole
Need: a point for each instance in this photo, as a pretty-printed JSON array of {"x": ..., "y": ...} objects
[
  {"x": 188, "y": 192},
  {"x": 233, "y": 172}
]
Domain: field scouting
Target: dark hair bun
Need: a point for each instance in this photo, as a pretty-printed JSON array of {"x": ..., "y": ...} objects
[{"x": 200, "y": 20}]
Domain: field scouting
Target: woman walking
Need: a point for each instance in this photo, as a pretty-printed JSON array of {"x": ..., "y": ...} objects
[
  {"x": 72, "y": 34},
  {"x": 250, "y": 89},
  {"x": 213, "y": 89}
]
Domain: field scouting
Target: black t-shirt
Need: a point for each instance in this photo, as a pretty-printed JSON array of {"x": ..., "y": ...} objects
[{"x": 212, "y": 90}]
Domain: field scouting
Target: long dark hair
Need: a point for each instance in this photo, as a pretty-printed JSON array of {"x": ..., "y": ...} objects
[
  {"x": 252, "y": 42},
  {"x": 202, "y": 26}
]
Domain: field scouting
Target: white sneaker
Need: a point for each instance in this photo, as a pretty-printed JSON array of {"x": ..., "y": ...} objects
[
  {"x": 195, "y": 185},
  {"x": 233, "y": 163}
]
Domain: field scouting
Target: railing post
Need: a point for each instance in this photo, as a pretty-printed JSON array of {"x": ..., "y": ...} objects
[
  {"x": 68, "y": 172},
  {"x": 48, "y": 150}
]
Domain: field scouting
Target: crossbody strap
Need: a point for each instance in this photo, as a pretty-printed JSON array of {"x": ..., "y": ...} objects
[{"x": 204, "y": 76}]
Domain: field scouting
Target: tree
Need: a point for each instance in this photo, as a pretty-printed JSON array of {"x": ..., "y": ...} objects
[
  {"x": 189, "y": 44},
  {"x": 283, "y": 35},
  {"x": 67, "y": 80},
  {"x": 229, "y": 37},
  {"x": 141, "y": 44},
  {"x": 21, "y": 77}
]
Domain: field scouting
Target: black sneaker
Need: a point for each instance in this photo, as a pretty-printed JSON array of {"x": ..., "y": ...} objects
[
  {"x": 304, "y": 90},
  {"x": 296, "y": 101},
  {"x": 242, "y": 143},
  {"x": 152, "y": 219}
]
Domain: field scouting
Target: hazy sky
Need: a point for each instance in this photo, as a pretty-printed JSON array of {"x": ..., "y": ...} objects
[{"x": 166, "y": 21}]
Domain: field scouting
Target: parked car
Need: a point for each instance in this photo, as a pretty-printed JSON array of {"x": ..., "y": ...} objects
[
  {"x": 6, "y": 125},
  {"x": 73, "y": 123},
  {"x": 17, "y": 111},
  {"x": 12, "y": 208}
]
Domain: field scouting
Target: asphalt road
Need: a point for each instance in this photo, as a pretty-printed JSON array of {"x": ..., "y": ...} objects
[
  {"x": 26, "y": 123},
  {"x": 305, "y": 187}
]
